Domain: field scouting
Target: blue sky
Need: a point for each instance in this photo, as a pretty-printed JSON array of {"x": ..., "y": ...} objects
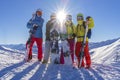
[{"x": 14, "y": 15}]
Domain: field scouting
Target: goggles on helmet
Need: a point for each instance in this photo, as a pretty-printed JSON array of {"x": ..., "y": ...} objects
[
  {"x": 69, "y": 18},
  {"x": 79, "y": 18}
]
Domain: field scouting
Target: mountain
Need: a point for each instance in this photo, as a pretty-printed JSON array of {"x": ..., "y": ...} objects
[
  {"x": 16, "y": 46},
  {"x": 107, "y": 54},
  {"x": 20, "y": 47},
  {"x": 102, "y": 43},
  {"x": 6, "y": 49}
]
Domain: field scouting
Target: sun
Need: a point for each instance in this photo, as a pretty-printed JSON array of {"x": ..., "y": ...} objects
[{"x": 61, "y": 16}]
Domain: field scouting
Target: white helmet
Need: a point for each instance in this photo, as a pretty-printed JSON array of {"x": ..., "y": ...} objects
[{"x": 53, "y": 16}]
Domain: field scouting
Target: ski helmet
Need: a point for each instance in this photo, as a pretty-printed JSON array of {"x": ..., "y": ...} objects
[
  {"x": 53, "y": 16},
  {"x": 79, "y": 16},
  {"x": 39, "y": 12}
]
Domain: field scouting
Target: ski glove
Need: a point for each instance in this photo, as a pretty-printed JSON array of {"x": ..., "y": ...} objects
[
  {"x": 35, "y": 27},
  {"x": 74, "y": 35}
]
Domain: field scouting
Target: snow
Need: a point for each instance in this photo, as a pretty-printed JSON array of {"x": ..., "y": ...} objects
[
  {"x": 107, "y": 53},
  {"x": 105, "y": 66}
]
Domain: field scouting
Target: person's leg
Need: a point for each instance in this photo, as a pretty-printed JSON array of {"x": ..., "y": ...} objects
[
  {"x": 87, "y": 56},
  {"x": 72, "y": 45},
  {"x": 62, "y": 56},
  {"x": 29, "y": 48},
  {"x": 39, "y": 46},
  {"x": 77, "y": 51}
]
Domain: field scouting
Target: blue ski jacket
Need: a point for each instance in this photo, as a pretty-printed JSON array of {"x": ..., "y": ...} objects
[{"x": 37, "y": 20}]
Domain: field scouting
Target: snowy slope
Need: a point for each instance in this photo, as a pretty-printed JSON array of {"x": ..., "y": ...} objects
[
  {"x": 107, "y": 54},
  {"x": 13, "y": 66},
  {"x": 9, "y": 56}
]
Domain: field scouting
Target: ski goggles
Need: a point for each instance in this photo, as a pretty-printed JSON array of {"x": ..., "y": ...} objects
[
  {"x": 53, "y": 17},
  {"x": 69, "y": 18},
  {"x": 79, "y": 18}
]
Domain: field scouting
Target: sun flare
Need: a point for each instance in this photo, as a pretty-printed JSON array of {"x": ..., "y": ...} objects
[{"x": 61, "y": 15}]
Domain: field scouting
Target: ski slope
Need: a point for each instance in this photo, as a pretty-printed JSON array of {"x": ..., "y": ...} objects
[
  {"x": 104, "y": 66},
  {"x": 106, "y": 54}
]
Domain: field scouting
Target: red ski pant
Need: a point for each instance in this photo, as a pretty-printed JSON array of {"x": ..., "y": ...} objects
[
  {"x": 86, "y": 54},
  {"x": 39, "y": 46},
  {"x": 72, "y": 45}
]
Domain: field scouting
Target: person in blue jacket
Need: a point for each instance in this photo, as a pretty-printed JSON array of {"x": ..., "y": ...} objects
[{"x": 35, "y": 25}]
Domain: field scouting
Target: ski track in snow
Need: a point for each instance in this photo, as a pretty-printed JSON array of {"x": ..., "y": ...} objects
[
  {"x": 108, "y": 72},
  {"x": 34, "y": 70}
]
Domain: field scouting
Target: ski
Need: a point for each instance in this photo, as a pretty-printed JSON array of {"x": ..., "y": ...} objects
[{"x": 83, "y": 46}]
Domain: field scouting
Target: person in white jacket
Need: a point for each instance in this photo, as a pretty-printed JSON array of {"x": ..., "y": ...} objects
[{"x": 52, "y": 32}]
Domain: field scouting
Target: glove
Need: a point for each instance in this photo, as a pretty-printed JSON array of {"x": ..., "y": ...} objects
[
  {"x": 35, "y": 27},
  {"x": 83, "y": 44},
  {"x": 74, "y": 35}
]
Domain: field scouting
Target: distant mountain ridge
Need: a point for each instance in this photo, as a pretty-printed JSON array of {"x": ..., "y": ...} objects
[
  {"x": 9, "y": 49},
  {"x": 22, "y": 47},
  {"x": 107, "y": 53},
  {"x": 102, "y": 43}
]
